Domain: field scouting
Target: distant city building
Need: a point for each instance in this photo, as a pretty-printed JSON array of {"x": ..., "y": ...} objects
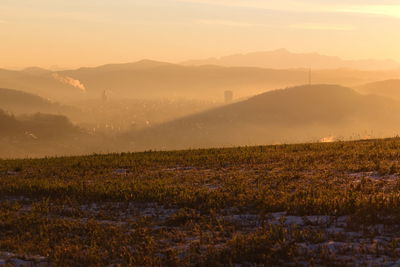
[
  {"x": 228, "y": 96},
  {"x": 104, "y": 96}
]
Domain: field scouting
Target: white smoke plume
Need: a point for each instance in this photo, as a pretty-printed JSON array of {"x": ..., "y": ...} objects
[{"x": 70, "y": 81}]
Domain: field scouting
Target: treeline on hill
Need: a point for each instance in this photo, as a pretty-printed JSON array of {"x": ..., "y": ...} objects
[
  {"x": 20, "y": 102},
  {"x": 35, "y": 126},
  {"x": 40, "y": 135}
]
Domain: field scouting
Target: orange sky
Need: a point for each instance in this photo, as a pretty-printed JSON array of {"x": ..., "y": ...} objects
[{"x": 72, "y": 33}]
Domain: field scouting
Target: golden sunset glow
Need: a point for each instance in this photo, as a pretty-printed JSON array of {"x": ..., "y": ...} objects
[
  {"x": 202, "y": 133},
  {"x": 87, "y": 33}
]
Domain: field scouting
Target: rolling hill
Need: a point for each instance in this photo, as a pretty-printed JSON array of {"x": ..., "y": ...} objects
[
  {"x": 297, "y": 114},
  {"x": 40, "y": 135},
  {"x": 35, "y": 126},
  {"x": 148, "y": 79},
  {"x": 36, "y": 71},
  {"x": 388, "y": 88},
  {"x": 19, "y": 102},
  {"x": 283, "y": 59},
  {"x": 40, "y": 82}
]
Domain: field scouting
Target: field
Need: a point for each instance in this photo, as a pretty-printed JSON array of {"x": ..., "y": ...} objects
[{"x": 332, "y": 204}]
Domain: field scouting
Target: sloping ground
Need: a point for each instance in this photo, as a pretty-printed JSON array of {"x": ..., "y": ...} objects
[
  {"x": 40, "y": 83},
  {"x": 309, "y": 204},
  {"x": 43, "y": 135},
  {"x": 42, "y": 125},
  {"x": 388, "y": 88},
  {"x": 298, "y": 114},
  {"x": 18, "y": 102}
]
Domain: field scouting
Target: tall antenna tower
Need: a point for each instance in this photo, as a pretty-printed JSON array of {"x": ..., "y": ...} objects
[{"x": 309, "y": 76}]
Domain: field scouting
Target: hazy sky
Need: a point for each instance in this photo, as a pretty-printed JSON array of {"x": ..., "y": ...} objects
[{"x": 90, "y": 32}]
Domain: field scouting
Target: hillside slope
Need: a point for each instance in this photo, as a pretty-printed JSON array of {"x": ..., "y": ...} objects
[
  {"x": 18, "y": 102},
  {"x": 291, "y": 205},
  {"x": 298, "y": 114},
  {"x": 43, "y": 135},
  {"x": 388, "y": 88},
  {"x": 41, "y": 82},
  {"x": 39, "y": 125}
]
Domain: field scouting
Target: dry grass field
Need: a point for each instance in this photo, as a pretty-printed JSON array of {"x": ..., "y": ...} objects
[{"x": 333, "y": 204}]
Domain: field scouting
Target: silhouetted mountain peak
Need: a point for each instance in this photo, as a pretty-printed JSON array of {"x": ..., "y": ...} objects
[
  {"x": 147, "y": 63},
  {"x": 284, "y": 59},
  {"x": 142, "y": 64},
  {"x": 35, "y": 71}
]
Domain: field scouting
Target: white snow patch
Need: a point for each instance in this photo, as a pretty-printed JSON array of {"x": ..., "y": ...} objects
[{"x": 374, "y": 176}]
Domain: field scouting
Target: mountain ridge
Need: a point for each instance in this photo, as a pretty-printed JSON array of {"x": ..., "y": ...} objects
[{"x": 284, "y": 59}]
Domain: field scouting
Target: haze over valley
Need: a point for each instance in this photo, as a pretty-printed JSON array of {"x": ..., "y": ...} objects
[
  {"x": 157, "y": 105},
  {"x": 192, "y": 133},
  {"x": 148, "y": 79}
]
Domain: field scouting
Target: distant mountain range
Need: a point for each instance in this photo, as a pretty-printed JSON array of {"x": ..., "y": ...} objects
[
  {"x": 149, "y": 79},
  {"x": 146, "y": 79},
  {"x": 298, "y": 114},
  {"x": 283, "y": 59}
]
